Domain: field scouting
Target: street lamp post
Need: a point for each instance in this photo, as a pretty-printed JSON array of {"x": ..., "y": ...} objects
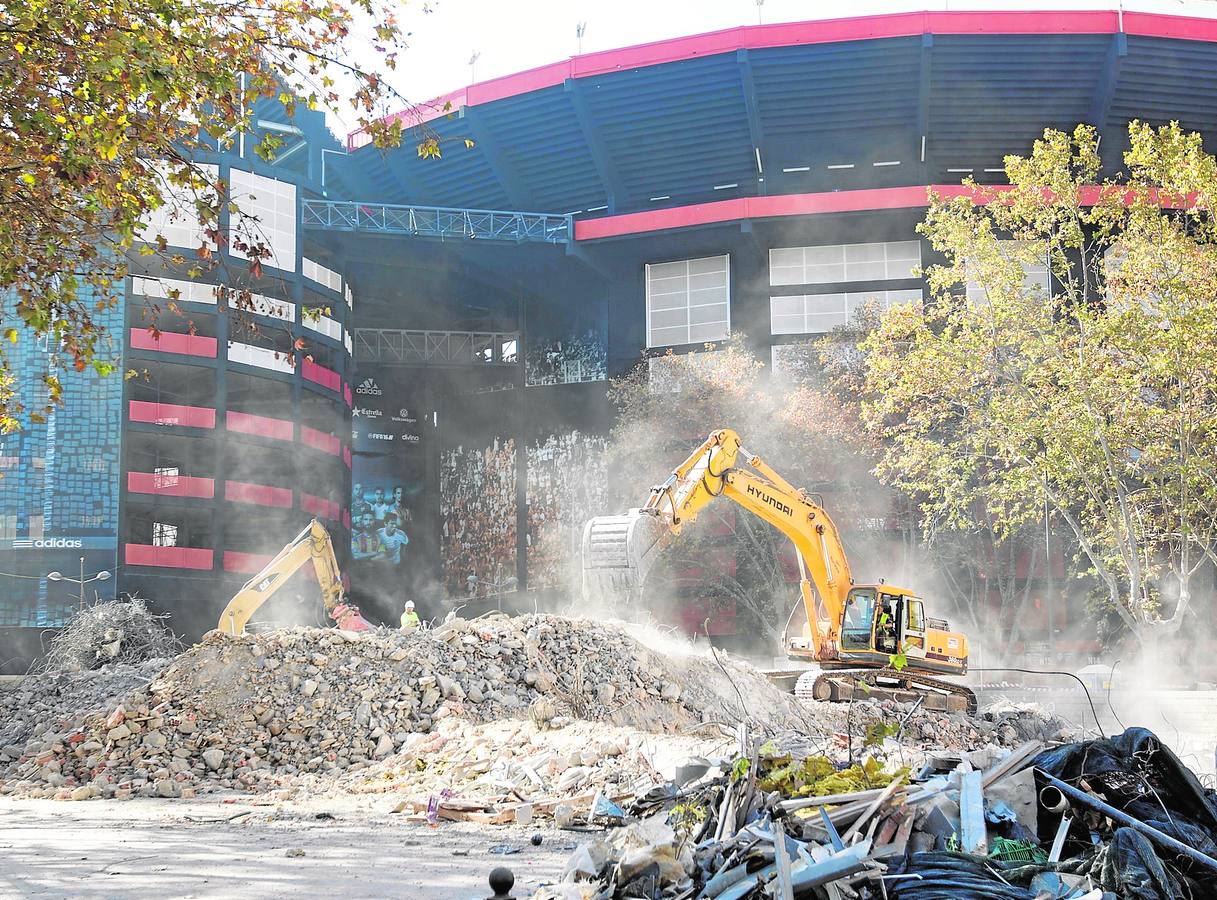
[{"x": 82, "y": 581}]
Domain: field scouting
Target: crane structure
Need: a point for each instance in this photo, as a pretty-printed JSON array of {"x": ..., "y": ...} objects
[
  {"x": 314, "y": 545},
  {"x": 875, "y": 633}
]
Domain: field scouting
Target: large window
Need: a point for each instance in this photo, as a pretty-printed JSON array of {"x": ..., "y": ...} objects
[
  {"x": 273, "y": 204},
  {"x": 839, "y": 263},
  {"x": 821, "y": 313},
  {"x": 177, "y": 220},
  {"x": 688, "y": 302}
]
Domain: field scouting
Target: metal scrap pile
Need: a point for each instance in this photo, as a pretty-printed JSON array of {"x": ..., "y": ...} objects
[
  {"x": 1109, "y": 818},
  {"x": 116, "y": 632}
]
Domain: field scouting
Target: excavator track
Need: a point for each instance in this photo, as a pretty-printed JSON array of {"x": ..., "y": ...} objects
[{"x": 839, "y": 686}]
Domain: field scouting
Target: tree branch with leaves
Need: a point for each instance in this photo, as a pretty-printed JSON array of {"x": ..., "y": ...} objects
[
  {"x": 1094, "y": 398},
  {"x": 103, "y": 107}
]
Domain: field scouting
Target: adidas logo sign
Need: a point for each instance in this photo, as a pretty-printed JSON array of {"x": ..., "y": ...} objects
[{"x": 370, "y": 387}]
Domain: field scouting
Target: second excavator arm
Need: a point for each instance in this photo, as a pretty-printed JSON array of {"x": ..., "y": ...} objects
[
  {"x": 312, "y": 544},
  {"x": 619, "y": 551}
]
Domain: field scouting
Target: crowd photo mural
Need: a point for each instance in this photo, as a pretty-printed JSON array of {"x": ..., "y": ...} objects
[
  {"x": 566, "y": 486},
  {"x": 477, "y": 487}
]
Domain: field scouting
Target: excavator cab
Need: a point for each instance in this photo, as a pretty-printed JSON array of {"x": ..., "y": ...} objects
[{"x": 881, "y": 621}]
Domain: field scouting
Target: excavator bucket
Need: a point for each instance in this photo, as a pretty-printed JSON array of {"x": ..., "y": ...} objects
[{"x": 618, "y": 551}]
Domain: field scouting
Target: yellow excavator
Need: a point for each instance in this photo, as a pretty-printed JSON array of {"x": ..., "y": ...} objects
[
  {"x": 876, "y": 634},
  {"x": 312, "y": 544}
]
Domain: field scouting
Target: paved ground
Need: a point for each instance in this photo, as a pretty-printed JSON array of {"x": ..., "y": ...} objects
[{"x": 185, "y": 849}]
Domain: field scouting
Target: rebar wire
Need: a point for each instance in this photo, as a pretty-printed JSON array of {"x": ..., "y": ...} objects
[
  {"x": 1093, "y": 711},
  {"x": 744, "y": 717}
]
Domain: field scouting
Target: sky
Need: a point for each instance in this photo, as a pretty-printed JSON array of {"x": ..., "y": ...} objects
[{"x": 514, "y": 35}]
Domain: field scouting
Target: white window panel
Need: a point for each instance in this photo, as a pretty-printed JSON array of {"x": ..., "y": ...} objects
[
  {"x": 840, "y": 263},
  {"x": 273, "y": 204},
  {"x": 262, "y": 357},
  {"x": 1035, "y": 278},
  {"x": 786, "y": 257},
  {"x": 688, "y": 301},
  {"x": 320, "y": 274},
  {"x": 346, "y": 340},
  {"x": 323, "y": 325},
  {"x": 272, "y": 307},
  {"x": 821, "y": 313},
  {"x": 176, "y": 220},
  {"x": 350, "y": 298},
  {"x": 711, "y": 331},
  {"x": 190, "y": 291}
]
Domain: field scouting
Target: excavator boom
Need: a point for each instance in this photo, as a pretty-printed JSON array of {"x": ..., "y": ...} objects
[
  {"x": 619, "y": 551},
  {"x": 313, "y": 544},
  {"x": 877, "y": 622}
]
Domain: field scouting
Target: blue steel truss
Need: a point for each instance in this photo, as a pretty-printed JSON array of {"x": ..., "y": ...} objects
[{"x": 437, "y": 222}]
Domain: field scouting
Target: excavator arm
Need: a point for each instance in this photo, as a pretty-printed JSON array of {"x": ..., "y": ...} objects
[
  {"x": 619, "y": 551},
  {"x": 312, "y": 544}
]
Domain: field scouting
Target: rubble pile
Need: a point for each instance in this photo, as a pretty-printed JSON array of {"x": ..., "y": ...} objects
[
  {"x": 40, "y": 703},
  {"x": 1100, "y": 819},
  {"x": 263, "y": 711}
]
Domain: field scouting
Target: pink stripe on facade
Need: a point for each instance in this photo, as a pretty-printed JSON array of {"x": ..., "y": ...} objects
[
  {"x": 246, "y": 423},
  {"x": 346, "y": 456},
  {"x": 861, "y": 28},
  {"x": 346, "y": 394},
  {"x": 261, "y": 494},
  {"x": 908, "y": 197},
  {"x": 167, "y": 557},
  {"x": 758, "y": 208},
  {"x": 327, "y": 443},
  {"x": 170, "y": 485},
  {"x": 245, "y": 563},
  {"x": 172, "y": 342},
  {"x": 172, "y": 414},
  {"x": 320, "y": 375},
  {"x": 320, "y": 506}
]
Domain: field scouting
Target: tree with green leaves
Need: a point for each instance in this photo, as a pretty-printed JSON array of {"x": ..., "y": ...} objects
[
  {"x": 1095, "y": 399},
  {"x": 103, "y": 104}
]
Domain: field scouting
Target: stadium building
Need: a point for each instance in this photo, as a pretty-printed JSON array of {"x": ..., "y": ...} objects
[{"x": 461, "y": 315}]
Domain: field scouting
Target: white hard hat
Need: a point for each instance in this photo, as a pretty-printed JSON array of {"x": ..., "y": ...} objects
[{"x": 409, "y": 604}]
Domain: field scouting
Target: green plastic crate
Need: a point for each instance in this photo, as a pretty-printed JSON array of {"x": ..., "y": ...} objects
[{"x": 1007, "y": 850}]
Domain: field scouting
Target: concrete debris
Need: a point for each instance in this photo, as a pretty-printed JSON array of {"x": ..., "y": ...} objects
[{"x": 495, "y": 711}]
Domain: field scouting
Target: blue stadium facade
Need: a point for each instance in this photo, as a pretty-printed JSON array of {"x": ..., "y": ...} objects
[{"x": 462, "y": 314}]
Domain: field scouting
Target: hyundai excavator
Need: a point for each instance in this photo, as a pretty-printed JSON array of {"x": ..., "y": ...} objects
[
  {"x": 874, "y": 634},
  {"x": 312, "y": 544}
]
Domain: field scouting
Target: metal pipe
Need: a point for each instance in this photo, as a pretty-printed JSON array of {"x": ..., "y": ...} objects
[
  {"x": 1162, "y": 840},
  {"x": 1053, "y": 800}
]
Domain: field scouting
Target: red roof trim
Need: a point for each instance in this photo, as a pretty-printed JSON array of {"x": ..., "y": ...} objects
[
  {"x": 913, "y": 196},
  {"x": 909, "y": 197},
  {"x": 861, "y": 28}
]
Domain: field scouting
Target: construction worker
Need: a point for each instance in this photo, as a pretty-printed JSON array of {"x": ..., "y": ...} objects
[{"x": 409, "y": 618}]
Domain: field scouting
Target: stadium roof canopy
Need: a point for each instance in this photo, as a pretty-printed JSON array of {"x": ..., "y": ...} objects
[{"x": 879, "y": 102}]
